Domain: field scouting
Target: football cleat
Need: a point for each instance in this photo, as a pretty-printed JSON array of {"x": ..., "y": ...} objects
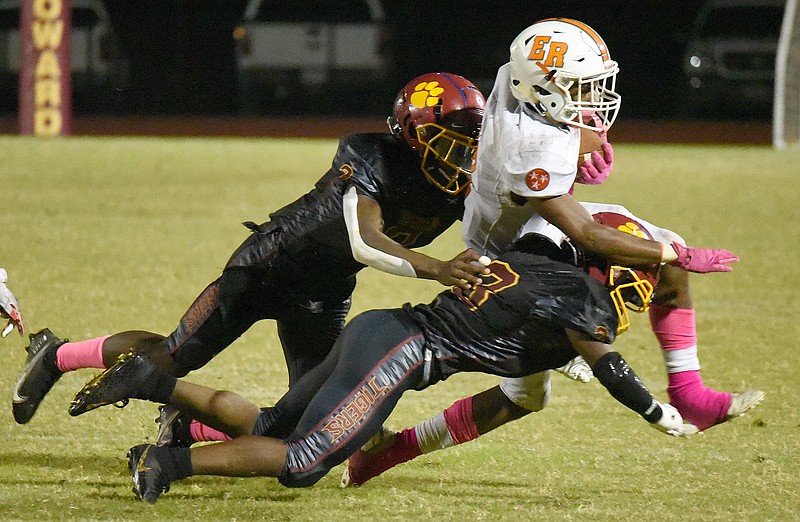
[
  {"x": 577, "y": 370},
  {"x": 115, "y": 385},
  {"x": 147, "y": 471},
  {"x": 382, "y": 452},
  {"x": 173, "y": 428},
  {"x": 358, "y": 468},
  {"x": 365, "y": 465},
  {"x": 742, "y": 402},
  {"x": 38, "y": 376}
]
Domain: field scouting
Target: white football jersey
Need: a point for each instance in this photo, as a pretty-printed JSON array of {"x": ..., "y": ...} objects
[{"x": 520, "y": 152}]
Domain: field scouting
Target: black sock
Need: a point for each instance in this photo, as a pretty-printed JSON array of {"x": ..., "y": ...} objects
[
  {"x": 158, "y": 387},
  {"x": 183, "y": 462},
  {"x": 176, "y": 463}
]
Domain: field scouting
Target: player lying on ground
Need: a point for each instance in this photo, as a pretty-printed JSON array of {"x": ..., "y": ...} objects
[
  {"x": 469, "y": 418},
  {"x": 384, "y": 194},
  {"x": 531, "y": 314}
]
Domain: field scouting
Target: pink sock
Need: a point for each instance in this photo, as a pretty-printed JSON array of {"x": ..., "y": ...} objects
[
  {"x": 699, "y": 405},
  {"x": 364, "y": 465},
  {"x": 202, "y": 433},
  {"x": 675, "y": 329},
  {"x": 83, "y": 354},
  {"x": 460, "y": 422}
]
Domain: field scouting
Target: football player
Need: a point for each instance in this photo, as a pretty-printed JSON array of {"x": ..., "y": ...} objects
[
  {"x": 532, "y": 313},
  {"x": 384, "y": 194},
  {"x": 560, "y": 81}
]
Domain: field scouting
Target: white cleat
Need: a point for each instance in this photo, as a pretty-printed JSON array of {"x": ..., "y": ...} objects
[
  {"x": 741, "y": 402},
  {"x": 577, "y": 370}
]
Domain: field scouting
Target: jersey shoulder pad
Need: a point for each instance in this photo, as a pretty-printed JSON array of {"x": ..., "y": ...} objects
[{"x": 362, "y": 160}]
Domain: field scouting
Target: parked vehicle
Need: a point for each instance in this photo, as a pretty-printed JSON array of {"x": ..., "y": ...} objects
[
  {"x": 289, "y": 50},
  {"x": 98, "y": 67},
  {"x": 729, "y": 63}
]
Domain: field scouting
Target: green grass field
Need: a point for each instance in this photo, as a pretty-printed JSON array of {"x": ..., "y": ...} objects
[{"x": 101, "y": 235}]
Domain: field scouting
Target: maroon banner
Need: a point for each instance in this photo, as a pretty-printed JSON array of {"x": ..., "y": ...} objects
[{"x": 45, "y": 86}]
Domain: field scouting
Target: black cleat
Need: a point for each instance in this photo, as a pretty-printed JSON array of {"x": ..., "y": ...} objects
[
  {"x": 38, "y": 376},
  {"x": 173, "y": 428},
  {"x": 149, "y": 480},
  {"x": 116, "y": 384}
]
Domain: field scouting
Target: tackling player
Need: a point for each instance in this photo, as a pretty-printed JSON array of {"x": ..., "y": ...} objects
[
  {"x": 531, "y": 314},
  {"x": 384, "y": 194},
  {"x": 559, "y": 81}
]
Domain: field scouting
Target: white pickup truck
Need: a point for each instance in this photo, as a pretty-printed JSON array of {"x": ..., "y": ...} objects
[{"x": 307, "y": 44}]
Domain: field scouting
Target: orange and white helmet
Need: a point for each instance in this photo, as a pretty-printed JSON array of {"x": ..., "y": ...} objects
[{"x": 562, "y": 69}]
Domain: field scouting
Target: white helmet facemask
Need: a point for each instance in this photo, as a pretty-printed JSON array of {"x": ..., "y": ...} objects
[{"x": 562, "y": 69}]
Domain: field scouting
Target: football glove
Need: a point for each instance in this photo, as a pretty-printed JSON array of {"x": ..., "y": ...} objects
[
  {"x": 596, "y": 169},
  {"x": 703, "y": 260},
  {"x": 672, "y": 423},
  {"x": 577, "y": 370},
  {"x": 9, "y": 308}
]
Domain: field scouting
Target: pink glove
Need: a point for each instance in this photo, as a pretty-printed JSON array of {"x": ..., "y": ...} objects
[
  {"x": 595, "y": 170},
  {"x": 703, "y": 260}
]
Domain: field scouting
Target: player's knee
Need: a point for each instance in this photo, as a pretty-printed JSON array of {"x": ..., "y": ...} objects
[
  {"x": 534, "y": 401},
  {"x": 531, "y": 393},
  {"x": 308, "y": 459},
  {"x": 295, "y": 479},
  {"x": 673, "y": 288}
]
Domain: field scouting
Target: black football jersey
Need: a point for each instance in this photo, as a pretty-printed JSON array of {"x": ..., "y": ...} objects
[
  {"x": 312, "y": 231},
  {"x": 513, "y": 323}
]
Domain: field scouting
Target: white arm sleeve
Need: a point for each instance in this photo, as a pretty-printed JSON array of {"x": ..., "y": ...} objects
[{"x": 362, "y": 252}]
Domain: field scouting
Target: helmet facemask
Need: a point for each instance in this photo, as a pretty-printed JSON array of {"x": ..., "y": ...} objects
[
  {"x": 630, "y": 288},
  {"x": 448, "y": 157},
  {"x": 628, "y": 292},
  {"x": 592, "y": 96}
]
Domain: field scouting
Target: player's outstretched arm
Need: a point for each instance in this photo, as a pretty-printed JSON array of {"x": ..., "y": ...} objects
[
  {"x": 623, "y": 248},
  {"x": 624, "y": 385},
  {"x": 373, "y": 248}
]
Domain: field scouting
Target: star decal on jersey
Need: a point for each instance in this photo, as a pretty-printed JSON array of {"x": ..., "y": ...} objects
[{"x": 537, "y": 179}]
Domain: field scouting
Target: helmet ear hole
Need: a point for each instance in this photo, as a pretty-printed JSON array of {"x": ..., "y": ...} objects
[{"x": 394, "y": 127}]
